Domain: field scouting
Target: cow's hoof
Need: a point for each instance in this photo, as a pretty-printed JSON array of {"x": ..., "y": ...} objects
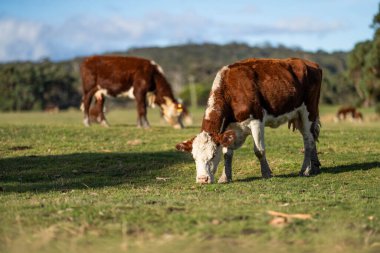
[
  {"x": 143, "y": 126},
  {"x": 104, "y": 123},
  {"x": 266, "y": 172},
  {"x": 224, "y": 180},
  {"x": 305, "y": 173},
  {"x": 310, "y": 172},
  {"x": 267, "y": 176},
  {"x": 86, "y": 122},
  {"x": 315, "y": 171}
]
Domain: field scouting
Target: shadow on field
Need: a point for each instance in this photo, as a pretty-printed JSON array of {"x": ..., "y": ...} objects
[
  {"x": 249, "y": 179},
  {"x": 333, "y": 170},
  {"x": 85, "y": 170},
  {"x": 350, "y": 167}
]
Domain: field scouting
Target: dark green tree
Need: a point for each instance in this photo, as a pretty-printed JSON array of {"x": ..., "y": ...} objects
[{"x": 364, "y": 66}]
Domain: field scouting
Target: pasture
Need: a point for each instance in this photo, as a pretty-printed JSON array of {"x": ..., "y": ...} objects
[{"x": 64, "y": 187}]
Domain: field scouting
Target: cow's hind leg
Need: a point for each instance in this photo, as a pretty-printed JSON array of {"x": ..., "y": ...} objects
[
  {"x": 101, "y": 117},
  {"x": 86, "y": 103},
  {"x": 316, "y": 164},
  {"x": 226, "y": 176},
  {"x": 99, "y": 103},
  {"x": 311, "y": 162},
  {"x": 142, "y": 121},
  {"x": 257, "y": 129}
]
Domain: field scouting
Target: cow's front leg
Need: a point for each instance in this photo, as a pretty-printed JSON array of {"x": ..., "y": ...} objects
[
  {"x": 257, "y": 128},
  {"x": 226, "y": 176},
  {"x": 306, "y": 165},
  {"x": 142, "y": 121}
]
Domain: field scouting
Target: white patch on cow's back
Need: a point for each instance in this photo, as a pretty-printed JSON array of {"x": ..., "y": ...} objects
[
  {"x": 273, "y": 121},
  {"x": 128, "y": 94},
  {"x": 215, "y": 86},
  {"x": 210, "y": 106},
  {"x": 159, "y": 68}
]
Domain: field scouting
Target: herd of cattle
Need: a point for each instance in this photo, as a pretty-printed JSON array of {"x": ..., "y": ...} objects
[{"x": 245, "y": 97}]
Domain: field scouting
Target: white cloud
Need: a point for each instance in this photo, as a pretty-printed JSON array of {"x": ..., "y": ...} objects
[
  {"x": 21, "y": 40},
  {"x": 307, "y": 25},
  {"x": 82, "y": 35}
]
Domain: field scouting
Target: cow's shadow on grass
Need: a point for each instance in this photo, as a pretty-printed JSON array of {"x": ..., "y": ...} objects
[
  {"x": 333, "y": 170},
  {"x": 86, "y": 170},
  {"x": 351, "y": 167}
]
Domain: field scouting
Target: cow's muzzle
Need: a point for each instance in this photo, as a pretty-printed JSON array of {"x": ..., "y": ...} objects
[
  {"x": 204, "y": 180},
  {"x": 178, "y": 126}
]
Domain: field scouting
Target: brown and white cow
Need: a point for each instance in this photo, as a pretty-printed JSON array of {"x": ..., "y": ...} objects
[
  {"x": 349, "y": 112},
  {"x": 137, "y": 78},
  {"x": 251, "y": 94}
]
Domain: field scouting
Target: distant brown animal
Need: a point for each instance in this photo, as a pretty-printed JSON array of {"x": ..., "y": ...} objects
[
  {"x": 349, "y": 112},
  {"x": 251, "y": 94},
  {"x": 137, "y": 78},
  {"x": 51, "y": 109}
]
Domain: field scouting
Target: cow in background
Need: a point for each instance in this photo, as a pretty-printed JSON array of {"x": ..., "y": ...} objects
[
  {"x": 349, "y": 112},
  {"x": 247, "y": 96},
  {"x": 136, "y": 78}
]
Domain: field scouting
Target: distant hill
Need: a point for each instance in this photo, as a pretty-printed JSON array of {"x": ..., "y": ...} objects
[
  {"x": 37, "y": 85},
  {"x": 200, "y": 62}
]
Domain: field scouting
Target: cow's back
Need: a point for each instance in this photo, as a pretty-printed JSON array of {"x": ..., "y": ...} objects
[
  {"x": 276, "y": 85},
  {"x": 114, "y": 73}
]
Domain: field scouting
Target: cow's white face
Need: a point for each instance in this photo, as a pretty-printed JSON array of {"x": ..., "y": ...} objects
[
  {"x": 172, "y": 113},
  {"x": 206, "y": 154}
]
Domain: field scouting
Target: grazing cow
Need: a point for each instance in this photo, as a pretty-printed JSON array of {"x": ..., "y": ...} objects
[
  {"x": 137, "y": 78},
  {"x": 251, "y": 94},
  {"x": 352, "y": 113}
]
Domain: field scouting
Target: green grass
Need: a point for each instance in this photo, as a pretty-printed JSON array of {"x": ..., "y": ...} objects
[{"x": 69, "y": 188}]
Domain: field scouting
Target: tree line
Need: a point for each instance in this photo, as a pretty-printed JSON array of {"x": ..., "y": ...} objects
[
  {"x": 364, "y": 66},
  {"x": 351, "y": 78},
  {"x": 39, "y": 85}
]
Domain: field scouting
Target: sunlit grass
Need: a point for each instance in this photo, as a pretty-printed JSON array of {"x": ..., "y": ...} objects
[{"x": 65, "y": 187}]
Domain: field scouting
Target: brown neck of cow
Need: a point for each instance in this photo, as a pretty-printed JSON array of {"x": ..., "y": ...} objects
[{"x": 162, "y": 89}]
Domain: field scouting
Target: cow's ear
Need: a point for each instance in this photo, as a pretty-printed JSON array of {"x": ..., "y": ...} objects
[
  {"x": 185, "y": 146},
  {"x": 227, "y": 138}
]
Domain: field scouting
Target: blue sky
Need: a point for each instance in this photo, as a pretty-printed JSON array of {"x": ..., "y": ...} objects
[{"x": 62, "y": 29}]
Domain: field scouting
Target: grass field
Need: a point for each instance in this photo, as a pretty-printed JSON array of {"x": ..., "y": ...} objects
[{"x": 64, "y": 187}]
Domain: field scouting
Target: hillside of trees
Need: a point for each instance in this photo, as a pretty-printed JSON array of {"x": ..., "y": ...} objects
[
  {"x": 364, "y": 67},
  {"x": 351, "y": 78},
  {"x": 46, "y": 84},
  {"x": 199, "y": 63}
]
